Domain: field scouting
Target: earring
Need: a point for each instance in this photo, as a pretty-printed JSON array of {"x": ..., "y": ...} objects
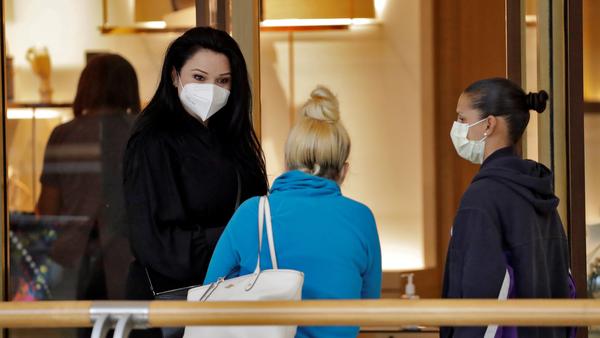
[{"x": 485, "y": 134}]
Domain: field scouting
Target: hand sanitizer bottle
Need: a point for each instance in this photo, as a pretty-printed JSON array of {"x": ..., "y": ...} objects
[{"x": 409, "y": 288}]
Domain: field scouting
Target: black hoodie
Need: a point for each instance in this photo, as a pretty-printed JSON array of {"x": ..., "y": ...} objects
[{"x": 508, "y": 242}]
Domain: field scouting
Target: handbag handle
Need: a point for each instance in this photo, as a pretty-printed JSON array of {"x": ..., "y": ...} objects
[{"x": 264, "y": 218}]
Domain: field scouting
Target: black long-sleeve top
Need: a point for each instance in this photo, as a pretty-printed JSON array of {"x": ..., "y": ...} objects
[
  {"x": 508, "y": 242},
  {"x": 181, "y": 189}
]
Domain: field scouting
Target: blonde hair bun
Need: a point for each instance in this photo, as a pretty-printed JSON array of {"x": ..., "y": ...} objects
[
  {"x": 323, "y": 105},
  {"x": 318, "y": 143}
]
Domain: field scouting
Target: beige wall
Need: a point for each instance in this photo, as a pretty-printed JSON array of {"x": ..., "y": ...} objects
[
  {"x": 591, "y": 77},
  {"x": 591, "y": 80},
  {"x": 591, "y": 50},
  {"x": 592, "y": 186},
  {"x": 592, "y": 163},
  {"x": 531, "y": 134},
  {"x": 378, "y": 74}
]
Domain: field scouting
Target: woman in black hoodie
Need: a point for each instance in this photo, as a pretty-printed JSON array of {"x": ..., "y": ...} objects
[{"x": 507, "y": 238}]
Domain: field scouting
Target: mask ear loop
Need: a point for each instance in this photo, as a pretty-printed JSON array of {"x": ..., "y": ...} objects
[
  {"x": 485, "y": 134},
  {"x": 478, "y": 122},
  {"x": 179, "y": 80}
]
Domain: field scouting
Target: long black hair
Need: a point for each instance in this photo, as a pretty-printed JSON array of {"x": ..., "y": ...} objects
[
  {"x": 502, "y": 97},
  {"x": 107, "y": 81},
  {"x": 233, "y": 124}
]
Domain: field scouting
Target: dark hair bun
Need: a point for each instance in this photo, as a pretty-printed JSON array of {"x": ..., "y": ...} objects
[{"x": 537, "y": 101}]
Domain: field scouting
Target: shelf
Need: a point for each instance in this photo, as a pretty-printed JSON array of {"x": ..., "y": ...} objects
[
  {"x": 12, "y": 104},
  {"x": 592, "y": 107},
  {"x": 125, "y": 30}
]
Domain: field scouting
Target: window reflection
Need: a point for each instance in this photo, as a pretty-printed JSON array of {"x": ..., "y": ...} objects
[
  {"x": 72, "y": 243},
  {"x": 76, "y": 236},
  {"x": 33, "y": 274}
]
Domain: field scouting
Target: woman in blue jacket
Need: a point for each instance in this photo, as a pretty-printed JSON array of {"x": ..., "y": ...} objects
[
  {"x": 507, "y": 238},
  {"x": 330, "y": 238}
]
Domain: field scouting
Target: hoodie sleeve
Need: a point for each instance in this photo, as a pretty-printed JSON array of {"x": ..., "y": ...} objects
[
  {"x": 476, "y": 265},
  {"x": 371, "y": 287}
]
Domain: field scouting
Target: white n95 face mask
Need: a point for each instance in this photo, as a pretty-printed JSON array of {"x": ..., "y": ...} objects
[
  {"x": 468, "y": 149},
  {"x": 203, "y": 99}
]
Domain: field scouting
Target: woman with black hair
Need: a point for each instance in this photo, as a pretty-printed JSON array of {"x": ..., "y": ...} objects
[
  {"x": 192, "y": 158},
  {"x": 507, "y": 239},
  {"x": 82, "y": 183}
]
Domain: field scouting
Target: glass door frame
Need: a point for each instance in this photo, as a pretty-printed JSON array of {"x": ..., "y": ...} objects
[
  {"x": 4, "y": 252},
  {"x": 560, "y": 132},
  {"x": 561, "y": 128},
  {"x": 4, "y": 200},
  {"x": 575, "y": 143},
  {"x": 560, "y": 72}
]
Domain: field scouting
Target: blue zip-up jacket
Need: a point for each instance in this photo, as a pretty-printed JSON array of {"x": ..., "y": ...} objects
[
  {"x": 508, "y": 242},
  {"x": 332, "y": 239}
]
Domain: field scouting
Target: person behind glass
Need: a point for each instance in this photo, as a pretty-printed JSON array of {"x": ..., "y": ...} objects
[
  {"x": 193, "y": 155},
  {"x": 507, "y": 240},
  {"x": 332, "y": 239},
  {"x": 81, "y": 182}
]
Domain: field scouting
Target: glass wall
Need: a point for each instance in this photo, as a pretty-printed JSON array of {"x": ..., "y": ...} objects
[
  {"x": 67, "y": 225},
  {"x": 33, "y": 274}
]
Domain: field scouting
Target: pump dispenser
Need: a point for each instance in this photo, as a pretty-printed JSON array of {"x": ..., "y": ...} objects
[{"x": 409, "y": 288}]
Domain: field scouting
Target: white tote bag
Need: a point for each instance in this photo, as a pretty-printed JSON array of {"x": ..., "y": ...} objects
[{"x": 270, "y": 284}]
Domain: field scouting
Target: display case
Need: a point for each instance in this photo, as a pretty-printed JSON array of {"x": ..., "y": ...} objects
[{"x": 28, "y": 127}]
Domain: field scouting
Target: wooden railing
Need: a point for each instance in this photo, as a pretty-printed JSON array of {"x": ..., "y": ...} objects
[{"x": 434, "y": 312}]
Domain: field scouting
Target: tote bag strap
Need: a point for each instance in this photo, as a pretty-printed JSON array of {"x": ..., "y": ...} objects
[
  {"x": 264, "y": 213},
  {"x": 270, "y": 234}
]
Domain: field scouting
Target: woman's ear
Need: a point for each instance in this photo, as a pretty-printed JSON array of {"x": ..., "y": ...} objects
[
  {"x": 175, "y": 78},
  {"x": 492, "y": 123}
]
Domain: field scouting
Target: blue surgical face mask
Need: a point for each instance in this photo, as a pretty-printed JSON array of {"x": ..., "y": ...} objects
[{"x": 468, "y": 149}]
